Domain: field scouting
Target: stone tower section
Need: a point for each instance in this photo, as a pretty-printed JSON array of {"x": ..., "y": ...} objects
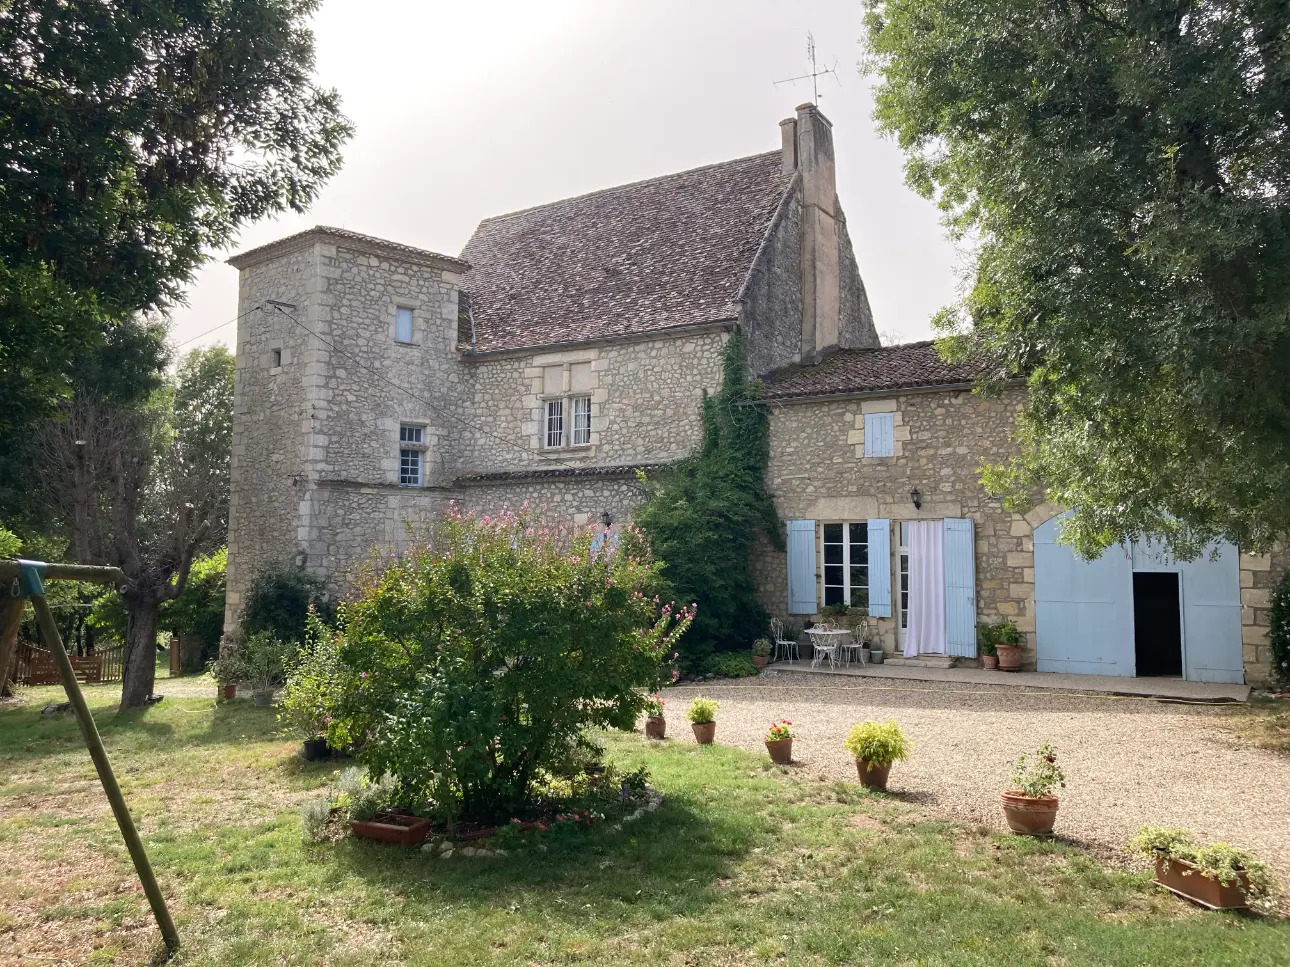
[{"x": 342, "y": 341}]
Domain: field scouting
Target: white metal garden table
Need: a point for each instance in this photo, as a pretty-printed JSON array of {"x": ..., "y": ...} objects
[{"x": 825, "y": 643}]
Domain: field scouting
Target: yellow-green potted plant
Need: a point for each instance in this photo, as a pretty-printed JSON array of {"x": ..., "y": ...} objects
[
  {"x": 1030, "y": 806},
  {"x": 703, "y": 719},
  {"x": 876, "y": 746},
  {"x": 761, "y": 650}
]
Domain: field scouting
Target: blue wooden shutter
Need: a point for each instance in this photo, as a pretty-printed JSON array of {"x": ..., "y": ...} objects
[
  {"x": 879, "y": 564},
  {"x": 879, "y": 434},
  {"x": 960, "y": 588},
  {"x": 801, "y": 567}
]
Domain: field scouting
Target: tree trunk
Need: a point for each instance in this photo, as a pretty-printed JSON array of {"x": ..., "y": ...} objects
[{"x": 140, "y": 670}]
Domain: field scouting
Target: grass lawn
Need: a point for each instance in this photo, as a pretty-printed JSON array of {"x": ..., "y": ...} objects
[{"x": 742, "y": 864}]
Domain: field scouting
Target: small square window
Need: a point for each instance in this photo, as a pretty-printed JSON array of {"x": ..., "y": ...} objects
[
  {"x": 411, "y": 434},
  {"x": 581, "y": 421},
  {"x": 402, "y": 324},
  {"x": 275, "y": 358},
  {"x": 554, "y": 423}
]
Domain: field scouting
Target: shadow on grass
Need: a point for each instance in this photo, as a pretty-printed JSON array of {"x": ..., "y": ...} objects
[{"x": 667, "y": 864}]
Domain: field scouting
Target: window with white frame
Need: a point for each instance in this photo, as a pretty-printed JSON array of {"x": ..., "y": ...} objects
[
  {"x": 411, "y": 455},
  {"x": 846, "y": 564},
  {"x": 554, "y": 424},
  {"x": 566, "y": 406},
  {"x": 402, "y": 324},
  {"x": 904, "y": 574}
]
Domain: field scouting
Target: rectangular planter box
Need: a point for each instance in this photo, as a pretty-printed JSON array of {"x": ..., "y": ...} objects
[
  {"x": 1183, "y": 878},
  {"x": 397, "y": 828}
]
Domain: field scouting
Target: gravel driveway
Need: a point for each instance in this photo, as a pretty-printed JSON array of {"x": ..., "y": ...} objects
[{"x": 1128, "y": 762}]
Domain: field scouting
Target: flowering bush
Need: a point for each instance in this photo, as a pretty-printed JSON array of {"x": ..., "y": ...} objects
[
  {"x": 311, "y": 693},
  {"x": 473, "y": 665},
  {"x": 654, "y": 706},
  {"x": 779, "y": 731},
  {"x": 1038, "y": 776}
]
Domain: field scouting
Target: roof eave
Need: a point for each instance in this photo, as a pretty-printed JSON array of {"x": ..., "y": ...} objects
[
  {"x": 652, "y": 335},
  {"x": 358, "y": 242}
]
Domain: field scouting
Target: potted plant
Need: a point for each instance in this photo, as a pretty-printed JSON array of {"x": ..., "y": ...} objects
[
  {"x": 1217, "y": 876},
  {"x": 228, "y": 670},
  {"x": 368, "y": 805},
  {"x": 987, "y": 642},
  {"x": 761, "y": 650},
  {"x": 1030, "y": 806},
  {"x": 875, "y": 746},
  {"x": 1008, "y": 646},
  {"x": 779, "y": 742},
  {"x": 309, "y": 697},
  {"x": 265, "y": 657},
  {"x": 703, "y": 719},
  {"x": 655, "y": 724}
]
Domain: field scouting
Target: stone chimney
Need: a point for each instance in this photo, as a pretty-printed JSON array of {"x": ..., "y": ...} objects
[{"x": 808, "y": 148}]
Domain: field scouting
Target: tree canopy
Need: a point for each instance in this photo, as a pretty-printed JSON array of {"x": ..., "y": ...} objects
[
  {"x": 134, "y": 138},
  {"x": 1120, "y": 171}
]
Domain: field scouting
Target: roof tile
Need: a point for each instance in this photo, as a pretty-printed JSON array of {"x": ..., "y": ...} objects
[{"x": 906, "y": 366}]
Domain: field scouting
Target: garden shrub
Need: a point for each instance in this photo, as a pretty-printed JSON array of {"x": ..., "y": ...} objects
[
  {"x": 726, "y": 664},
  {"x": 471, "y": 667},
  {"x": 313, "y": 681},
  {"x": 1279, "y": 631},
  {"x": 703, "y": 516},
  {"x": 199, "y": 609},
  {"x": 278, "y": 601}
]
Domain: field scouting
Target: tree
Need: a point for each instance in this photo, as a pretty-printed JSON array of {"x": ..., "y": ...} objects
[
  {"x": 133, "y": 139},
  {"x": 1122, "y": 169},
  {"x": 704, "y": 514},
  {"x": 145, "y": 489}
]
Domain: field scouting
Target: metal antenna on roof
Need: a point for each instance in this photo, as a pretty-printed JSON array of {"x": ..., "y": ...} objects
[{"x": 816, "y": 73}]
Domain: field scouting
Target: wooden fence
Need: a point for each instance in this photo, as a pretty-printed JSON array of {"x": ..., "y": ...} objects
[{"x": 35, "y": 666}]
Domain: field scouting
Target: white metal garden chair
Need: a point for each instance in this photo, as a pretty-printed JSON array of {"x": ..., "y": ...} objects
[{"x": 785, "y": 648}]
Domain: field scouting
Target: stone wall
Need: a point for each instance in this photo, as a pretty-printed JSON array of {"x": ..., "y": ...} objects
[
  {"x": 817, "y": 471},
  {"x": 646, "y": 399},
  {"x": 579, "y": 500},
  {"x": 1259, "y": 573},
  {"x": 856, "y": 329}
]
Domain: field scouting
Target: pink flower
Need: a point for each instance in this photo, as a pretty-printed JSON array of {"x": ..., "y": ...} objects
[{"x": 362, "y": 674}]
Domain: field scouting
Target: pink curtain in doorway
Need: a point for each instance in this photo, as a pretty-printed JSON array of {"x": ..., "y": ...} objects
[{"x": 926, "y": 632}]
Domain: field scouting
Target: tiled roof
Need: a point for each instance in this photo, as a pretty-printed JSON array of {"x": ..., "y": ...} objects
[
  {"x": 654, "y": 255},
  {"x": 908, "y": 366},
  {"x": 555, "y": 473},
  {"x": 344, "y": 237}
]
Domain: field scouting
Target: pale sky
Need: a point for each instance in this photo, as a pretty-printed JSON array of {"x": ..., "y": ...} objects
[{"x": 464, "y": 110}]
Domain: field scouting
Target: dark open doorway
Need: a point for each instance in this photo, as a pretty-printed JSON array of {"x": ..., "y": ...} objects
[{"x": 1157, "y": 623}]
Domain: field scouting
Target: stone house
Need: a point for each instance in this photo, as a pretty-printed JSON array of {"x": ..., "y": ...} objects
[{"x": 570, "y": 345}]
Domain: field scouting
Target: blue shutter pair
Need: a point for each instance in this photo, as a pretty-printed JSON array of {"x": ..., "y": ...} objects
[{"x": 801, "y": 567}]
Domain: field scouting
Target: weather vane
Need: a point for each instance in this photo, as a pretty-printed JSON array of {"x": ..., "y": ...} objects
[{"x": 815, "y": 74}]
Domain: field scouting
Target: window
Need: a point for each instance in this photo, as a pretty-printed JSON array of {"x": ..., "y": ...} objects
[
  {"x": 904, "y": 574},
  {"x": 411, "y": 451},
  {"x": 275, "y": 358},
  {"x": 402, "y": 324},
  {"x": 554, "y": 423},
  {"x": 581, "y": 421},
  {"x": 846, "y": 564},
  {"x": 879, "y": 435}
]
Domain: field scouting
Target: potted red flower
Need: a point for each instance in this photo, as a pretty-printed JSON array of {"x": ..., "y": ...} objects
[
  {"x": 655, "y": 724},
  {"x": 779, "y": 742},
  {"x": 1030, "y": 806}
]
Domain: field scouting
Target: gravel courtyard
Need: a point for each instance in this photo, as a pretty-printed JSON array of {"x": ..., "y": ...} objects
[{"x": 1128, "y": 762}]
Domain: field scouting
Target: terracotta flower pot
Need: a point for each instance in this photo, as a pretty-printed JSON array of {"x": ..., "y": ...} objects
[
  {"x": 873, "y": 776},
  {"x": 228, "y": 692},
  {"x": 1030, "y": 815},
  {"x": 781, "y": 751},
  {"x": 391, "y": 827},
  {"x": 760, "y": 662},
  {"x": 1009, "y": 657},
  {"x": 655, "y": 727},
  {"x": 1189, "y": 882},
  {"x": 704, "y": 732},
  {"x": 990, "y": 661}
]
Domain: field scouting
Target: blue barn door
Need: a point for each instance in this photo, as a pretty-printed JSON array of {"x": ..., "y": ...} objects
[{"x": 1083, "y": 609}]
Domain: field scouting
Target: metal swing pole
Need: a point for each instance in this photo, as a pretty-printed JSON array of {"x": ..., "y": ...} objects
[{"x": 28, "y": 582}]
